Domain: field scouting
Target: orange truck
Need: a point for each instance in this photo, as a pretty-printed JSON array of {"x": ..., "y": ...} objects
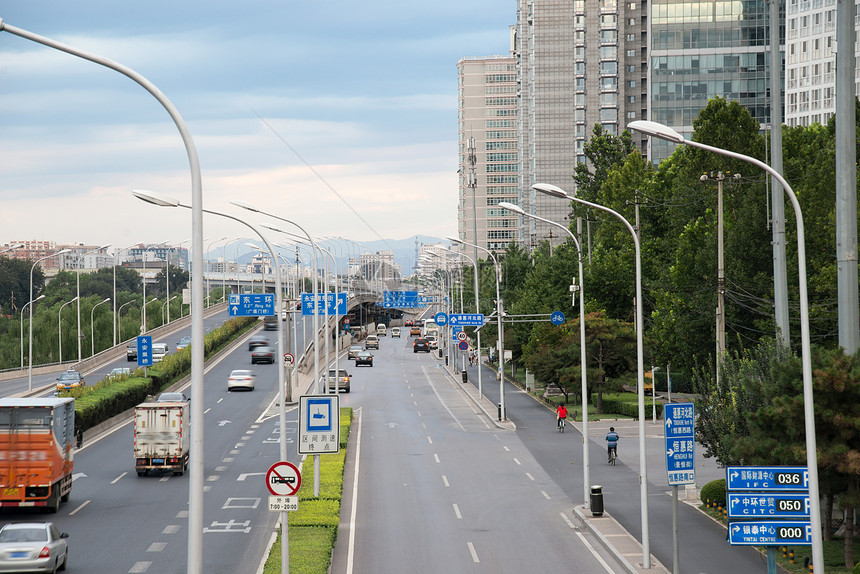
[{"x": 37, "y": 442}]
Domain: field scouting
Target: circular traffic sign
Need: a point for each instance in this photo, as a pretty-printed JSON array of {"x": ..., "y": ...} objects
[
  {"x": 441, "y": 319},
  {"x": 289, "y": 359},
  {"x": 461, "y": 335},
  {"x": 557, "y": 318},
  {"x": 283, "y": 479},
  {"x": 463, "y": 346}
]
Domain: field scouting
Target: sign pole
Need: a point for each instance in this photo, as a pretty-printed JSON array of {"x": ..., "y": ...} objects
[{"x": 675, "y": 543}]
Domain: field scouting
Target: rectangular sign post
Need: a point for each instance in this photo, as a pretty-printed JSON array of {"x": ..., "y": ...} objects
[
  {"x": 252, "y": 304},
  {"x": 680, "y": 434},
  {"x": 767, "y": 505},
  {"x": 770, "y": 533},
  {"x": 144, "y": 351},
  {"x": 319, "y": 424}
]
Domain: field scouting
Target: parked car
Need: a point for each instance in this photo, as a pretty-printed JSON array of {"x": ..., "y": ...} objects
[
  {"x": 263, "y": 355},
  {"x": 353, "y": 351},
  {"x": 183, "y": 342},
  {"x": 241, "y": 379},
  {"x": 395, "y": 332},
  {"x": 172, "y": 397},
  {"x": 71, "y": 379},
  {"x": 33, "y": 547},
  {"x": 372, "y": 342},
  {"x": 364, "y": 358},
  {"x": 338, "y": 380},
  {"x": 415, "y": 331},
  {"x": 257, "y": 341},
  {"x": 420, "y": 344}
]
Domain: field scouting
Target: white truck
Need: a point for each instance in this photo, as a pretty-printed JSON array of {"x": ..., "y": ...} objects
[{"x": 162, "y": 437}]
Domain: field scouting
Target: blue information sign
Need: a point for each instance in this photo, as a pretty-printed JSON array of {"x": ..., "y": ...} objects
[
  {"x": 454, "y": 331},
  {"x": 770, "y": 533},
  {"x": 767, "y": 478},
  {"x": 680, "y": 433},
  {"x": 466, "y": 319},
  {"x": 144, "y": 351},
  {"x": 441, "y": 319},
  {"x": 557, "y": 318},
  {"x": 329, "y": 299},
  {"x": 767, "y": 505},
  {"x": 252, "y": 304}
]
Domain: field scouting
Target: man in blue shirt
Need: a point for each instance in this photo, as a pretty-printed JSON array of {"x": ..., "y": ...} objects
[{"x": 612, "y": 443}]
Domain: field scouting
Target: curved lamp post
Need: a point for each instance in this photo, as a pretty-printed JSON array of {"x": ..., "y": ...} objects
[
  {"x": 118, "y": 322},
  {"x": 93, "y": 327},
  {"x": 556, "y": 191},
  {"x": 477, "y": 310},
  {"x": 30, "y": 364},
  {"x": 582, "y": 358},
  {"x": 654, "y": 129},
  {"x": 166, "y": 304},
  {"x": 24, "y": 308},
  {"x": 60, "y": 327},
  {"x": 78, "y": 281}
]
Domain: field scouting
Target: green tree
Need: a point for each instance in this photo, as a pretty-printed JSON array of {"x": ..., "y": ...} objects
[{"x": 15, "y": 284}]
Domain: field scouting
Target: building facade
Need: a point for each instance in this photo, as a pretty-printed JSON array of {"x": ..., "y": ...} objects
[{"x": 810, "y": 62}]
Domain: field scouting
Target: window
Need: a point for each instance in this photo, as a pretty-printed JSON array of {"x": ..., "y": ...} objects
[
  {"x": 631, "y": 83},
  {"x": 631, "y": 115},
  {"x": 631, "y": 68},
  {"x": 631, "y": 99},
  {"x": 608, "y": 36},
  {"x": 608, "y": 52},
  {"x": 608, "y": 20},
  {"x": 608, "y": 67},
  {"x": 631, "y": 53},
  {"x": 631, "y": 5},
  {"x": 608, "y": 115},
  {"x": 609, "y": 99},
  {"x": 631, "y": 37}
]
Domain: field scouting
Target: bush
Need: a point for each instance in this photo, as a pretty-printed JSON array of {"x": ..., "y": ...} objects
[
  {"x": 626, "y": 404},
  {"x": 714, "y": 492}
]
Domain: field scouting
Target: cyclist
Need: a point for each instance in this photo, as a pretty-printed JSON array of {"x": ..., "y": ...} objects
[
  {"x": 612, "y": 443},
  {"x": 560, "y": 415}
]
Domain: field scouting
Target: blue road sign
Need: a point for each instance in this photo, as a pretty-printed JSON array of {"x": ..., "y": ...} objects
[
  {"x": 441, "y": 319},
  {"x": 454, "y": 330},
  {"x": 680, "y": 434},
  {"x": 329, "y": 299},
  {"x": 767, "y": 505},
  {"x": 252, "y": 304},
  {"x": 319, "y": 424},
  {"x": 557, "y": 318},
  {"x": 144, "y": 351},
  {"x": 770, "y": 533},
  {"x": 466, "y": 319},
  {"x": 463, "y": 346},
  {"x": 767, "y": 478}
]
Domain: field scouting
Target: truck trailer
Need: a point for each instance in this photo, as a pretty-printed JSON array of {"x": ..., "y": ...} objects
[
  {"x": 37, "y": 442},
  {"x": 161, "y": 437}
]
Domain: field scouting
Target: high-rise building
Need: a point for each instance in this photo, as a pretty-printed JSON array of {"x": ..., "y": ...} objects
[
  {"x": 810, "y": 62},
  {"x": 487, "y": 93}
]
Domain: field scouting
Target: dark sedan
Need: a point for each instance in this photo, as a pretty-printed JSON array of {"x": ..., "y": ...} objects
[
  {"x": 422, "y": 345},
  {"x": 263, "y": 355},
  {"x": 364, "y": 358}
]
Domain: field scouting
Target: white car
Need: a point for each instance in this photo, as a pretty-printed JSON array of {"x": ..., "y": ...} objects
[
  {"x": 159, "y": 350},
  {"x": 33, "y": 547},
  {"x": 431, "y": 339},
  {"x": 241, "y": 379},
  {"x": 395, "y": 332},
  {"x": 120, "y": 372}
]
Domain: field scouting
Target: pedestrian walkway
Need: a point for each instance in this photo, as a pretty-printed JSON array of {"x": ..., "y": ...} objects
[{"x": 617, "y": 540}]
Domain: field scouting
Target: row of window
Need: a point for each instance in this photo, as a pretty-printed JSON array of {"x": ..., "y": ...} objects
[
  {"x": 501, "y": 134},
  {"x": 500, "y": 112},
  {"x": 499, "y": 156},
  {"x": 500, "y": 145},
  {"x": 502, "y": 235},
  {"x": 511, "y": 191},
  {"x": 501, "y": 179},
  {"x": 507, "y": 89},
  {"x": 500, "y": 78},
  {"x": 721, "y": 37},
  {"x": 709, "y": 63},
  {"x": 686, "y": 12},
  {"x": 500, "y": 101},
  {"x": 501, "y": 124},
  {"x": 502, "y": 168}
]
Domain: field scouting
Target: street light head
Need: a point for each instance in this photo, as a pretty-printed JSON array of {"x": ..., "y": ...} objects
[
  {"x": 106, "y": 300},
  {"x": 453, "y": 239},
  {"x": 551, "y": 189},
  {"x": 511, "y": 207},
  {"x": 244, "y": 205},
  {"x": 155, "y": 198},
  {"x": 656, "y": 130},
  {"x": 703, "y": 177},
  {"x": 62, "y": 251},
  {"x": 42, "y": 296}
]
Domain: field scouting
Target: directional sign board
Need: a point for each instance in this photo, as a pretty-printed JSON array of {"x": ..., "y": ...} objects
[
  {"x": 441, "y": 319},
  {"x": 319, "y": 424},
  {"x": 144, "y": 351},
  {"x": 557, "y": 318},
  {"x": 770, "y": 533},
  {"x": 252, "y": 304},
  {"x": 679, "y": 428},
  {"x": 767, "y": 478},
  {"x": 455, "y": 333},
  {"x": 466, "y": 319},
  {"x": 323, "y": 300},
  {"x": 283, "y": 479},
  {"x": 767, "y": 505}
]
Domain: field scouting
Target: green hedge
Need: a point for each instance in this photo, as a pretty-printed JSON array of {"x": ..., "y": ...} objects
[
  {"x": 714, "y": 492},
  {"x": 627, "y": 404}
]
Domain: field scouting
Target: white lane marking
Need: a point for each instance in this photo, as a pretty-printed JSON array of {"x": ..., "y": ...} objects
[
  {"x": 528, "y": 474},
  {"x": 213, "y": 477},
  {"x": 170, "y": 529},
  {"x": 419, "y": 414},
  {"x": 594, "y": 552},
  {"x": 436, "y": 456},
  {"x": 566, "y": 519},
  {"x": 350, "y": 555},
  {"x": 545, "y": 495},
  {"x": 507, "y": 449},
  {"x": 222, "y": 398},
  {"x": 164, "y": 479},
  {"x": 445, "y": 481},
  {"x": 415, "y": 403},
  {"x": 117, "y": 479},
  {"x": 429, "y": 440},
  {"x": 457, "y": 512},
  {"x": 432, "y": 386},
  {"x": 156, "y": 547},
  {"x": 220, "y": 468},
  {"x": 207, "y": 410},
  {"x": 472, "y": 552},
  {"x": 72, "y": 513},
  {"x": 182, "y": 514},
  {"x": 516, "y": 460},
  {"x": 139, "y": 567}
]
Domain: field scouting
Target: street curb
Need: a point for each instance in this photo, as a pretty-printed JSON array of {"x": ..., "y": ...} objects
[
  {"x": 505, "y": 425},
  {"x": 656, "y": 566}
]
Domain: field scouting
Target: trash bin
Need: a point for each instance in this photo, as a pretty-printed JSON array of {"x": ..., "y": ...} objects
[
  {"x": 596, "y": 500},
  {"x": 465, "y": 377},
  {"x": 446, "y": 360}
]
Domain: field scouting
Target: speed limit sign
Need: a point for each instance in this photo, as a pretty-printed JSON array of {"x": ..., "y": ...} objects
[{"x": 461, "y": 336}]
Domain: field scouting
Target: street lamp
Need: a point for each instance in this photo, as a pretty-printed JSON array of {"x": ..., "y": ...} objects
[
  {"x": 143, "y": 311},
  {"x": 556, "y": 191},
  {"x": 24, "y": 308},
  {"x": 582, "y": 358},
  {"x": 500, "y": 310},
  {"x": 92, "y": 326},
  {"x": 663, "y": 132},
  {"x": 12, "y": 248},
  {"x": 477, "y": 310},
  {"x": 118, "y": 318},
  {"x": 30, "y": 364},
  {"x": 166, "y": 304},
  {"x": 60, "y": 328},
  {"x": 78, "y": 281},
  {"x": 208, "y": 264}
]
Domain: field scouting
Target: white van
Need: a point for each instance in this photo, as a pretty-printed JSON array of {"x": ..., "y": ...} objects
[
  {"x": 158, "y": 351},
  {"x": 380, "y": 329}
]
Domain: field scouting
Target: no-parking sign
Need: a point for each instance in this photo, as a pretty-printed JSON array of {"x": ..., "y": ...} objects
[{"x": 283, "y": 479}]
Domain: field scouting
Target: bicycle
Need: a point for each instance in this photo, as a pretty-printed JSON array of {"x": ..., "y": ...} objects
[
  {"x": 612, "y": 456},
  {"x": 560, "y": 425}
]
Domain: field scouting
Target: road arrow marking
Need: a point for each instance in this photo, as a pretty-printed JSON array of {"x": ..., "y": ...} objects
[{"x": 223, "y": 423}]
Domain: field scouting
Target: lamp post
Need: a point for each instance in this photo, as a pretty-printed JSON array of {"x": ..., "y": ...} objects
[
  {"x": 555, "y": 191},
  {"x": 166, "y": 304},
  {"x": 115, "y": 320},
  {"x": 78, "y": 281},
  {"x": 165, "y": 201},
  {"x": 143, "y": 310},
  {"x": 60, "y": 328},
  {"x": 12, "y": 248},
  {"x": 118, "y": 323},
  {"x": 143, "y": 278},
  {"x": 30, "y": 364},
  {"x": 654, "y": 129},
  {"x": 28, "y": 303},
  {"x": 211, "y": 243},
  {"x": 93, "y": 328},
  {"x": 477, "y": 310},
  {"x": 582, "y": 356},
  {"x": 500, "y": 310}
]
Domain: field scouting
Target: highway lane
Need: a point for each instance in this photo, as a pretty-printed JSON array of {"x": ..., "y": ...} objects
[
  {"x": 442, "y": 489},
  {"x": 120, "y": 522}
]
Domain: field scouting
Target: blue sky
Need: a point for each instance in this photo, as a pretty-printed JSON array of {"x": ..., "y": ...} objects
[{"x": 364, "y": 92}]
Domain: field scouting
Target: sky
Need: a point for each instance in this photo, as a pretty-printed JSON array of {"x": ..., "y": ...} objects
[{"x": 293, "y": 107}]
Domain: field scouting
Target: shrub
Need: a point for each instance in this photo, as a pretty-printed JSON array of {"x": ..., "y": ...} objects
[{"x": 715, "y": 492}]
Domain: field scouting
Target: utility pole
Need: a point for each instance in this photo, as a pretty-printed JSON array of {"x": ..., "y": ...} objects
[{"x": 472, "y": 183}]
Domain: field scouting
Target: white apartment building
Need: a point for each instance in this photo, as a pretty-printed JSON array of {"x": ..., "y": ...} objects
[{"x": 810, "y": 62}]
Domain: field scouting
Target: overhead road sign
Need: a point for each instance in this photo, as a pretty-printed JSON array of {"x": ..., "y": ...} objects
[
  {"x": 252, "y": 304},
  {"x": 767, "y": 478},
  {"x": 319, "y": 424},
  {"x": 767, "y": 505},
  {"x": 283, "y": 479},
  {"x": 466, "y": 319},
  {"x": 770, "y": 533},
  {"x": 324, "y": 300},
  {"x": 404, "y": 299},
  {"x": 144, "y": 351}
]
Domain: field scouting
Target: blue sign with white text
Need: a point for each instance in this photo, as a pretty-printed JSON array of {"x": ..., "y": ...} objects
[
  {"x": 252, "y": 304},
  {"x": 144, "y": 351},
  {"x": 324, "y": 300},
  {"x": 770, "y": 533},
  {"x": 466, "y": 319},
  {"x": 767, "y": 505},
  {"x": 680, "y": 434},
  {"x": 767, "y": 478}
]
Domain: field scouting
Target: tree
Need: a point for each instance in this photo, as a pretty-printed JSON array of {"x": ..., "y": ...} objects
[
  {"x": 15, "y": 284},
  {"x": 178, "y": 281}
]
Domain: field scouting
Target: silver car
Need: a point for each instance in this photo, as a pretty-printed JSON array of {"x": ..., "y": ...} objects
[{"x": 33, "y": 547}]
